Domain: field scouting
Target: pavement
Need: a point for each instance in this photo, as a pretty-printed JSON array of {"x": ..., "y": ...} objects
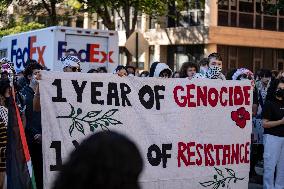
[{"x": 254, "y": 186}]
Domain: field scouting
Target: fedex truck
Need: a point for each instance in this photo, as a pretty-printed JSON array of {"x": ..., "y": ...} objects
[{"x": 95, "y": 48}]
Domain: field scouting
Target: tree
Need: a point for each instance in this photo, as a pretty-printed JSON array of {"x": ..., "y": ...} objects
[
  {"x": 52, "y": 10},
  {"x": 3, "y": 11},
  {"x": 127, "y": 10},
  {"x": 20, "y": 27}
]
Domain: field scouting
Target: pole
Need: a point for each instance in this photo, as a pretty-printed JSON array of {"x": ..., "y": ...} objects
[{"x": 137, "y": 61}]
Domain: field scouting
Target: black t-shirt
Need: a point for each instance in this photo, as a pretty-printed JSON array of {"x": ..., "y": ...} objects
[{"x": 274, "y": 111}]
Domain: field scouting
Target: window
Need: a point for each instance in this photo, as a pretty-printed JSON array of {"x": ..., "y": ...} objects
[
  {"x": 152, "y": 23},
  {"x": 250, "y": 14},
  {"x": 223, "y": 5},
  {"x": 269, "y": 23},
  {"x": 139, "y": 23},
  {"x": 246, "y": 7},
  {"x": 3, "y": 53},
  {"x": 80, "y": 22},
  {"x": 246, "y": 20},
  {"x": 223, "y": 18},
  {"x": 191, "y": 18}
]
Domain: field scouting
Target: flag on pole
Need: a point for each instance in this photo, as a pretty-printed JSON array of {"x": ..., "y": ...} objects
[{"x": 19, "y": 167}]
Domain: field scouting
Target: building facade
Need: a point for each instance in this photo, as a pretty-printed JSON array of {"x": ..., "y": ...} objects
[{"x": 245, "y": 32}]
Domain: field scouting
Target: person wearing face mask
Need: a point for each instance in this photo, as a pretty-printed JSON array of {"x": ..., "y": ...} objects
[
  {"x": 262, "y": 87},
  {"x": 161, "y": 70},
  {"x": 203, "y": 66},
  {"x": 215, "y": 66},
  {"x": 257, "y": 129},
  {"x": 273, "y": 123},
  {"x": 33, "y": 120}
]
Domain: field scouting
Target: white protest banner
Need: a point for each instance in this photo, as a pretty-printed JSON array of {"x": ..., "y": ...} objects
[{"x": 191, "y": 134}]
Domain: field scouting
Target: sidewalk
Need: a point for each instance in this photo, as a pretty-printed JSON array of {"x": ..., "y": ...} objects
[{"x": 254, "y": 186}]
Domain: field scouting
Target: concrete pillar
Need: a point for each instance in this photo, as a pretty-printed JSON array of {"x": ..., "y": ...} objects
[
  {"x": 156, "y": 53},
  {"x": 211, "y": 13},
  {"x": 145, "y": 56},
  {"x": 87, "y": 20},
  {"x": 73, "y": 22},
  {"x": 210, "y": 48}
]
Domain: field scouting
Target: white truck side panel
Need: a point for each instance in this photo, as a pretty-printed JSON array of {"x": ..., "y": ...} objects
[
  {"x": 95, "y": 48},
  {"x": 34, "y": 45}
]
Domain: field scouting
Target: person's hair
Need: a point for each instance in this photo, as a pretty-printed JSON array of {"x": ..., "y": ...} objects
[
  {"x": 265, "y": 73},
  {"x": 120, "y": 67},
  {"x": 280, "y": 73},
  {"x": 176, "y": 72},
  {"x": 146, "y": 73},
  {"x": 5, "y": 73},
  {"x": 105, "y": 160},
  {"x": 272, "y": 88},
  {"x": 230, "y": 74},
  {"x": 102, "y": 69},
  {"x": 30, "y": 61},
  {"x": 204, "y": 62},
  {"x": 92, "y": 71},
  {"x": 274, "y": 73},
  {"x": 215, "y": 55},
  {"x": 131, "y": 67},
  {"x": 4, "y": 85},
  {"x": 29, "y": 69},
  {"x": 185, "y": 66}
]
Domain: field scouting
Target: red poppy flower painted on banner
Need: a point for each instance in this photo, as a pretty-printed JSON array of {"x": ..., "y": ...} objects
[{"x": 241, "y": 116}]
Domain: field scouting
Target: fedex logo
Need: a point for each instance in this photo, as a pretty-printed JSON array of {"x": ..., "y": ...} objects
[
  {"x": 21, "y": 55},
  {"x": 90, "y": 54}
]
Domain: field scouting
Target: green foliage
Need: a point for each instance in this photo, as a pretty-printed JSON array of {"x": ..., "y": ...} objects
[
  {"x": 3, "y": 6},
  {"x": 20, "y": 27}
]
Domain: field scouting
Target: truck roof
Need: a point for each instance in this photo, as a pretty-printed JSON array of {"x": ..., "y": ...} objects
[{"x": 69, "y": 30}]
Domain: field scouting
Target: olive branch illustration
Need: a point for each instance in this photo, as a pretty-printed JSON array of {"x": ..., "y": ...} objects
[
  {"x": 223, "y": 181},
  {"x": 92, "y": 118}
]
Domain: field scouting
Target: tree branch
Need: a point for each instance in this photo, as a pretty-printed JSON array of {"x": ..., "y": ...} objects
[
  {"x": 46, "y": 6},
  {"x": 134, "y": 21},
  {"x": 106, "y": 18},
  {"x": 118, "y": 12}
]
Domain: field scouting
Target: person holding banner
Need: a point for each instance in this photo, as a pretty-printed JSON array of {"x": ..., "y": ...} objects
[
  {"x": 33, "y": 120},
  {"x": 121, "y": 71},
  {"x": 214, "y": 68},
  {"x": 273, "y": 123},
  {"x": 105, "y": 160},
  {"x": 188, "y": 70},
  {"x": 159, "y": 69}
]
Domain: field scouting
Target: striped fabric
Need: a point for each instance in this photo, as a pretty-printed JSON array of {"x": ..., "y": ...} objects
[
  {"x": 3, "y": 137},
  {"x": 4, "y": 115},
  {"x": 3, "y": 145}
]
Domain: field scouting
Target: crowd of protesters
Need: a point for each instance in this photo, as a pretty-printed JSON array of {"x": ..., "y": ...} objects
[{"x": 267, "y": 149}]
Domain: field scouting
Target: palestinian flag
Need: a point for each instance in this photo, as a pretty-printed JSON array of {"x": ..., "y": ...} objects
[{"x": 19, "y": 167}]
